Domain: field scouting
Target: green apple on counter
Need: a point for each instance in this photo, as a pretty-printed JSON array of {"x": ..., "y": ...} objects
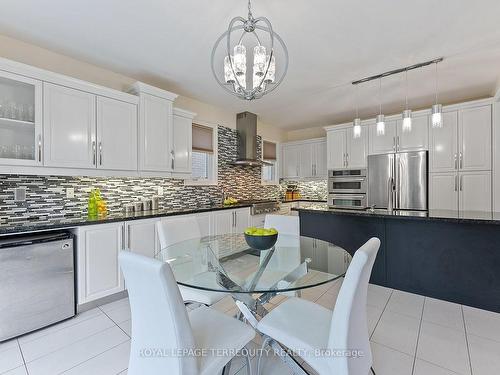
[
  {"x": 253, "y": 231},
  {"x": 229, "y": 201}
]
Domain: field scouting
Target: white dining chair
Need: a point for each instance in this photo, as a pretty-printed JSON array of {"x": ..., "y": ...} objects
[
  {"x": 182, "y": 229},
  {"x": 165, "y": 335},
  {"x": 288, "y": 258},
  {"x": 283, "y": 224},
  {"x": 307, "y": 328}
]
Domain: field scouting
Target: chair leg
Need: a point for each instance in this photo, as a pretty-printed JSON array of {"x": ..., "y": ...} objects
[
  {"x": 227, "y": 368},
  {"x": 259, "y": 360},
  {"x": 249, "y": 365}
]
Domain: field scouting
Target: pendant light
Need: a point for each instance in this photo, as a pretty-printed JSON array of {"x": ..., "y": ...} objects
[
  {"x": 356, "y": 128},
  {"x": 380, "y": 116},
  {"x": 437, "y": 109},
  {"x": 260, "y": 69},
  {"x": 407, "y": 111}
]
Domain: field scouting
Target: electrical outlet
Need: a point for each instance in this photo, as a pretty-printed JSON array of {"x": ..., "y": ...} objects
[
  {"x": 20, "y": 194},
  {"x": 160, "y": 190},
  {"x": 70, "y": 193}
]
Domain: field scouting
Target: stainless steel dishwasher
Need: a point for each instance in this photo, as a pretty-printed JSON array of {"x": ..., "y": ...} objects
[{"x": 37, "y": 282}]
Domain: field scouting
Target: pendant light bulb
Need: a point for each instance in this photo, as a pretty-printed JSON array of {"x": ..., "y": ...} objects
[
  {"x": 406, "y": 112},
  {"x": 437, "y": 117},
  {"x": 356, "y": 124},
  {"x": 407, "y": 120},
  {"x": 356, "y": 129},
  {"x": 380, "y": 125},
  {"x": 380, "y": 116},
  {"x": 437, "y": 109}
]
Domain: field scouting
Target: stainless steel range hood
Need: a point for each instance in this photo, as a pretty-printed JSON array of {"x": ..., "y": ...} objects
[{"x": 246, "y": 125}]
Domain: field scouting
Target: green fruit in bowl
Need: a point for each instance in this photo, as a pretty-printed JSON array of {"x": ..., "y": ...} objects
[{"x": 252, "y": 231}]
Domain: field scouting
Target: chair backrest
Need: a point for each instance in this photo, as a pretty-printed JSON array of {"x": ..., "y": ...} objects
[
  {"x": 349, "y": 329},
  {"x": 283, "y": 224},
  {"x": 159, "y": 318},
  {"x": 177, "y": 229}
]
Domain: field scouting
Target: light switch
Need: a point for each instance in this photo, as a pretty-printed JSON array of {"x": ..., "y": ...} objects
[
  {"x": 160, "y": 190},
  {"x": 70, "y": 193}
]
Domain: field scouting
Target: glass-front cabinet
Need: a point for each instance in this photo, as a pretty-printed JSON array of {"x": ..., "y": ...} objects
[{"x": 20, "y": 120}]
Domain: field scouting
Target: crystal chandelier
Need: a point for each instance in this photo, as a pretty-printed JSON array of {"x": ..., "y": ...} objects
[{"x": 250, "y": 81}]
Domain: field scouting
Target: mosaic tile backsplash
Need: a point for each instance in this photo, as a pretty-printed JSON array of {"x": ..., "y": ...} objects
[
  {"x": 309, "y": 189},
  {"x": 46, "y": 197}
]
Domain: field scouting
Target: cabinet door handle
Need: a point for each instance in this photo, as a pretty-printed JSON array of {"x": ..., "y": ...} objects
[
  {"x": 100, "y": 153},
  {"x": 39, "y": 148},
  {"x": 235, "y": 219},
  {"x": 394, "y": 143},
  {"x": 397, "y": 143},
  {"x": 123, "y": 236},
  {"x": 347, "y": 159},
  {"x": 456, "y": 160},
  {"x": 456, "y": 183},
  {"x": 461, "y": 183},
  {"x": 172, "y": 153},
  {"x": 461, "y": 160},
  {"x": 93, "y": 153},
  {"x": 128, "y": 237}
]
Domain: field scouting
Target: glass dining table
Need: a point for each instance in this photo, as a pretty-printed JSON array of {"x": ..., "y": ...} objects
[{"x": 226, "y": 263}]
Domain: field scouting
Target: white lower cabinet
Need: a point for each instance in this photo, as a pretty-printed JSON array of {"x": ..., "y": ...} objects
[
  {"x": 475, "y": 191},
  {"x": 98, "y": 269},
  {"x": 258, "y": 221},
  {"x": 142, "y": 237},
  {"x": 443, "y": 191},
  {"x": 461, "y": 191},
  {"x": 231, "y": 221}
]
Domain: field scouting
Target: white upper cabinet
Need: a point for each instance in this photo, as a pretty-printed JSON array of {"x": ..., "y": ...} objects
[
  {"x": 357, "y": 148},
  {"x": 475, "y": 191},
  {"x": 69, "y": 127},
  {"x": 345, "y": 151},
  {"x": 383, "y": 143},
  {"x": 464, "y": 140},
  {"x": 154, "y": 133},
  {"x": 475, "y": 138},
  {"x": 306, "y": 160},
  {"x": 116, "y": 134},
  {"x": 20, "y": 120},
  {"x": 444, "y": 144},
  {"x": 416, "y": 139},
  {"x": 291, "y": 161},
  {"x": 156, "y": 153},
  {"x": 319, "y": 159},
  {"x": 182, "y": 141},
  {"x": 336, "y": 148}
]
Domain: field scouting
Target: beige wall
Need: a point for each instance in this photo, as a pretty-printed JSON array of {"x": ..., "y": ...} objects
[
  {"x": 302, "y": 134},
  {"x": 30, "y": 54}
]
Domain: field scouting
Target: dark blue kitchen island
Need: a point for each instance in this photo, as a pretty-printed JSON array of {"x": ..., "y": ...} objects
[{"x": 439, "y": 254}]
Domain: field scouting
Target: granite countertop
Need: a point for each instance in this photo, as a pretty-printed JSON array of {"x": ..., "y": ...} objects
[
  {"x": 303, "y": 200},
  {"x": 48, "y": 223},
  {"x": 441, "y": 215}
]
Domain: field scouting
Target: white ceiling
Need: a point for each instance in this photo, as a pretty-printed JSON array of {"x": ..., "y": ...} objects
[{"x": 331, "y": 42}]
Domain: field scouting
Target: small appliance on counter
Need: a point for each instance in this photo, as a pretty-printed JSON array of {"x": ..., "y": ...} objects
[{"x": 347, "y": 188}]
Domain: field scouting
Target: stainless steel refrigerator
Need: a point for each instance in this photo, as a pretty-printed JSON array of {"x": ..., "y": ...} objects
[{"x": 398, "y": 181}]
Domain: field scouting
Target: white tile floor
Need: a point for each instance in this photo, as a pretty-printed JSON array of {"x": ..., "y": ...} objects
[{"x": 410, "y": 335}]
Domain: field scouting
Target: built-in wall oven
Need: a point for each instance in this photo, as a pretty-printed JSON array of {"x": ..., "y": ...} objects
[{"x": 347, "y": 188}]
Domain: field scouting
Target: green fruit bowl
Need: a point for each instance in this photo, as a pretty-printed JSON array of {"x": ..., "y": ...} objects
[{"x": 261, "y": 242}]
